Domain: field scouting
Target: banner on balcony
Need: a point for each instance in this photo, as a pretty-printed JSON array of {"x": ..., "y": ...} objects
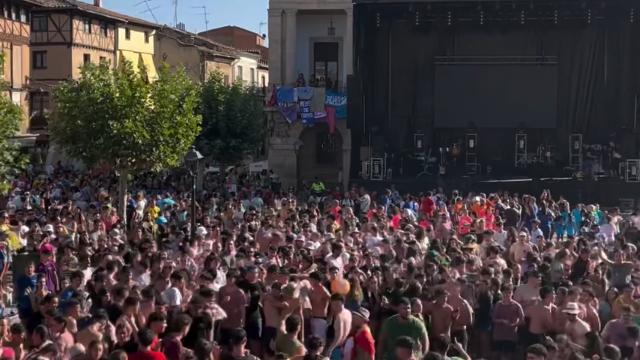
[
  {"x": 338, "y": 101},
  {"x": 306, "y": 114}
]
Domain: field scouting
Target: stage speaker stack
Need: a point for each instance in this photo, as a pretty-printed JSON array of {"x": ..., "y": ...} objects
[{"x": 355, "y": 113}]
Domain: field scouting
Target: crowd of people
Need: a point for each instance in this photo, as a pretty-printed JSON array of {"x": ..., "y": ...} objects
[{"x": 270, "y": 273}]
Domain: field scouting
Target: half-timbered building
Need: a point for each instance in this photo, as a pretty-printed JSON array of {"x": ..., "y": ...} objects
[
  {"x": 14, "y": 44},
  {"x": 65, "y": 34}
]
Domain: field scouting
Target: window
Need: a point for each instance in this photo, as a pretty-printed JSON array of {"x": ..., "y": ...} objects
[
  {"x": 86, "y": 58},
  {"x": 326, "y": 147},
  {"x": 14, "y": 13},
  {"x": 239, "y": 74},
  {"x": 39, "y": 102},
  {"x": 5, "y": 11},
  {"x": 87, "y": 26},
  {"x": 103, "y": 59},
  {"x": 39, "y": 23},
  {"x": 24, "y": 16},
  {"x": 146, "y": 37},
  {"x": 127, "y": 33},
  {"x": 226, "y": 79},
  {"x": 39, "y": 59},
  {"x": 104, "y": 29},
  {"x": 253, "y": 77},
  {"x": 325, "y": 64},
  {"x": 264, "y": 81}
]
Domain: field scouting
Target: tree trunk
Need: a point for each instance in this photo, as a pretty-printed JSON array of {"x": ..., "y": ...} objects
[{"x": 122, "y": 192}]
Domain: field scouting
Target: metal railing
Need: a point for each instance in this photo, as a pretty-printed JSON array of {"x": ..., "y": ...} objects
[{"x": 339, "y": 86}]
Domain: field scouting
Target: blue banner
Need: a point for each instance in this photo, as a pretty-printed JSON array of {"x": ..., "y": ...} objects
[
  {"x": 305, "y": 112},
  {"x": 339, "y": 101}
]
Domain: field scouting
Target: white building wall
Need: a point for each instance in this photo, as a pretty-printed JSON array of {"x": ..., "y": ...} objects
[
  {"x": 313, "y": 28},
  {"x": 247, "y": 62}
]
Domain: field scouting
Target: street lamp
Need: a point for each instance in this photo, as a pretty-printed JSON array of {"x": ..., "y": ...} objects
[
  {"x": 296, "y": 149},
  {"x": 192, "y": 159}
]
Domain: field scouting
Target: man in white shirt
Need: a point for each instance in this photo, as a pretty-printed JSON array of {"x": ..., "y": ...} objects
[
  {"x": 173, "y": 294},
  {"x": 365, "y": 201}
]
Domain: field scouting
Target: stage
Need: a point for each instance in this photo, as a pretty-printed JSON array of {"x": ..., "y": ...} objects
[
  {"x": 606, "y": 192},
  {"x": 513, "y": 86}
]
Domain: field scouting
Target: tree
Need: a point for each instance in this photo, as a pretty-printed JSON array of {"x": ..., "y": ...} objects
[
  {"x": 232, "y": 121},
  {"x": 11, "y": 159},
  {"x": 118, "y": 117}
]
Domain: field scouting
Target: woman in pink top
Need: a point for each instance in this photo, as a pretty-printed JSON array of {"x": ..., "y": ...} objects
[{"x": 464, "y": 224}]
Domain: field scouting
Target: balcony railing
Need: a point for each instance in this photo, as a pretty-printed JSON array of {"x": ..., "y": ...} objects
[{"x": 338, "y": 86}]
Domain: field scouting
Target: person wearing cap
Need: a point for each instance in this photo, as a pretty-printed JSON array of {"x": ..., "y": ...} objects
[
  {"x": 576, "y": 329},
  {"x": 364, "y": 347}
]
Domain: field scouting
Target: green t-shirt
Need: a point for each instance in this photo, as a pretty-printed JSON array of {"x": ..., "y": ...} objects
[{"x": 393, "y": 329}]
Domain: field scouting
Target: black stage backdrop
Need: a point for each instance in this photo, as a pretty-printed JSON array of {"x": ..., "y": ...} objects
[
  {"x": 597, "y": 79},
  {"x": 496, "y": 95}
]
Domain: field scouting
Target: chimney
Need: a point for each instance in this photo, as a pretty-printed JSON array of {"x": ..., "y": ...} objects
[{"x": 97, "y": 3}]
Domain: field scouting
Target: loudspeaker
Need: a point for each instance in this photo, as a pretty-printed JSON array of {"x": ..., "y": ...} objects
[{"x": 354, "y": 103}]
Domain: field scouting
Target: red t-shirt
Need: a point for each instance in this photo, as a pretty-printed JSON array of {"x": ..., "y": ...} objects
[
  {"x": 363, "y": 340},
  {"x": 147, "y": 355},
  {"x": 427, "y": 206}
]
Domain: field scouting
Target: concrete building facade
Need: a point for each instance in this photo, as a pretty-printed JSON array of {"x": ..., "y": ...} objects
[{"x": 312, "y": 39}]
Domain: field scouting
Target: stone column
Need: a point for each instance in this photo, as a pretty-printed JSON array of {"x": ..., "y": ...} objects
[
  {"x": 275, "y": 46},
  {"x": 290, "y": 69},
  {"x": 348, "y": 46}
]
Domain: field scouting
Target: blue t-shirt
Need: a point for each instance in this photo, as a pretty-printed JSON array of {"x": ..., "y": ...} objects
[{"x": 23, "y": 283}]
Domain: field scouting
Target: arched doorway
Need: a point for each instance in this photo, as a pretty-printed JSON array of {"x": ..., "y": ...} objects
[{"x": 321, "y": 155}]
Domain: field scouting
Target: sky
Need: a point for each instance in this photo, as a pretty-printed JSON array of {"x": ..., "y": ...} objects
[{"x": 246, "y": 14}]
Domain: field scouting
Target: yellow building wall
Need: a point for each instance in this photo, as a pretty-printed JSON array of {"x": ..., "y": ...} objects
[{"x": 136, "y": 42}]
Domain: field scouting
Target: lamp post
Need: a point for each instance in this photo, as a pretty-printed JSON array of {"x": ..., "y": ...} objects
[
  {"x": 296, "y": 149},
  {"x": 193, "y": 158}
]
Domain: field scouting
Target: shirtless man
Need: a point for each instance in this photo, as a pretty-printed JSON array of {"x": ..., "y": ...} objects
[
  {"x": 340, "y": 324},
  {"x": 462, "y": 317},
  {"x": 518, "y": 251},
  {"x": 273, "y": 306},
  {"x": 441, "y": 314},
  {"x": 589, "y": 301},
  {"x": 561, "y": 317},
  {"x": 541, "y": 316},
  {"x": 576, "y": 328},
  {"x": 320, "y": 298},
  {"x": 233, "y": 301},
  {"x": 94, "y": 331},
  {"x": 529, "y": 293}
]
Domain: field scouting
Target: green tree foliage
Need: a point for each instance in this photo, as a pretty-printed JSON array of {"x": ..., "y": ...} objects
[
  {"x": 118, "y": 117},
  {"x": 11, "y": 159},
  {"x": 232, "y": 121}
]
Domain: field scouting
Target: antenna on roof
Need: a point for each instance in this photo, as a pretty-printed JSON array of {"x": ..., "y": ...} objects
[
  {"x": 204, "y": 13},
  {"x": 262, "y": 23},
  {"x": 175, "y": 12},
  {"x": 149, "y": 9}
]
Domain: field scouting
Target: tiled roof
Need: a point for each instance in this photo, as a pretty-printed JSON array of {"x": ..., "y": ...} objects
[
  {"x": 216, "y": 45},
  {"x": 88, "y": 7}
]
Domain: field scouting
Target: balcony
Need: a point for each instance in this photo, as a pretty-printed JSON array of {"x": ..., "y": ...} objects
[{"x": 338, "y": 86}]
